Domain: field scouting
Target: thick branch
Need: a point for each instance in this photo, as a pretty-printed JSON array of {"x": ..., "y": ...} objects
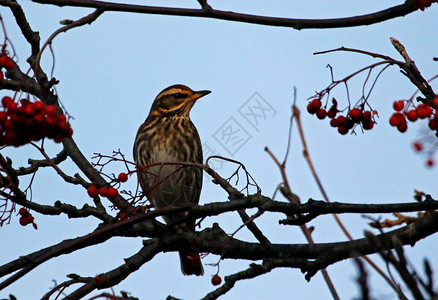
[
  {"x": 372, "y": 18},
  {"x": 218, "y": 242}
]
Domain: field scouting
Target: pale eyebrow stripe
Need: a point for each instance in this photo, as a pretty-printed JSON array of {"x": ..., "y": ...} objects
[{"x": 170, "y": 92}]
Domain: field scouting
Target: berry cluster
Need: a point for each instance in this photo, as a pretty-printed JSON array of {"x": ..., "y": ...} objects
[
  {"x": 111, "y": 193},
  {"x": 403, "y": 114},
  {"x": 343, "y": 123},
  {"x": 23, "y": 122},
  {"x": 5, "y": 62},
  {"x": 26, "y": 218}
]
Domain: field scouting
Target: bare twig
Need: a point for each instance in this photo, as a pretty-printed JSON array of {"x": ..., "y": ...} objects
[
  {"x": 235, "y": 195},
  {"x": 326, "y": 198},
  {"x": 287, "y": 192},
  {"x": 82, "y": 21}
]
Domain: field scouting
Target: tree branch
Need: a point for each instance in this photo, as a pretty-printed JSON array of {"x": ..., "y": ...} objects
[
  {"x": 367, "y": 19},
  {"x": 115, "y": 276},
  {"x": 36, "y": 164},
  {"x": 32, "y": 37}
]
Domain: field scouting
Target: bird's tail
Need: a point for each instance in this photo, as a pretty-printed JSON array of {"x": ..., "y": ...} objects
[{"x": 191, "y": 263}]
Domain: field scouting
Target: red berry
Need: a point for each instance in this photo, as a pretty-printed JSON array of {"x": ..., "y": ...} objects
[
  {"x": 69, "y": 132},
  {"x": 28, "y": 110},
  {"x": 310, "y": 108},
  {"x": 38, "y": 105},
  {"x": 355, "y": 114},
  {"x": 50, "y": 111},
  {"x": 123, "y": 177},
  {"x": 103, "y": 192},
  {"x": 24, "y": 220},
  {"x": 12, "y": 106},
  {"x": 423, "y": 111},
  {"x": 402, "y": 127},
  {"x": 92, "y": 191},
  {"x": 343, "y": 129},
  {"x": 366, "y": 115},
  {"x": 63, "y": 125},
  {"x": 412, "y": 115},
  {"x": 435, "y": 102},
  {"x": 417, "y": 146},
  {"x": 321, "y": 114},
  {"x": 216, "y": 280},
  {"x": 112, "y": 193},
  {"x": 9, "y": 64},
  {"x": 6, "y": 62},
  {"x": 62, "y": 118},
  {"x": 430, "y": 162},
  {"x": 341, "y": 120},
  {"x": 398, "y": 105},
  {"x": 334, "y": 123},
  {"x": 38, "y": 118},
  {"x": 10, "y": 138},
  {"x": 367, "y": 125},
  {"x": 314, "y": 106},
  {"x": 332, "y": 113},
  {"x": 51, "y": 121},
  {"x": 396, "y": 119},
  {"x": 24, "y": 212},
  {"x": 316, "y": 103},
  {"x": 9, "y": 125},
  {"x": 58, "y": 138},
  {"x": 6, "y": 100}
]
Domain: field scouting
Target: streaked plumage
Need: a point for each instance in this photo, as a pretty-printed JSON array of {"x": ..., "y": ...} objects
[{"x": 168, "y": 135}]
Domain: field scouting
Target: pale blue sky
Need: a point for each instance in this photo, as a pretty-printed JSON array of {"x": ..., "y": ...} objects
[{"x": 111, "y": 71}]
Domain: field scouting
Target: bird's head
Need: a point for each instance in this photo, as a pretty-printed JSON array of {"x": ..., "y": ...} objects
[{"x": 176, "y": 100}]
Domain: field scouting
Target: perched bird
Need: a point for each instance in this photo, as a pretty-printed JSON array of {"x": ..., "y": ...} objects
[{"x": 168, "y": 135}]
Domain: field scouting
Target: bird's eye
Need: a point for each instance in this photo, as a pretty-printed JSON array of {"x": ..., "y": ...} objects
[{"x": 180, "y": 96}]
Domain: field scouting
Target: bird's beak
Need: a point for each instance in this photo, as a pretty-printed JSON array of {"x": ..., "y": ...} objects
[{"x": 200, "y": 94}]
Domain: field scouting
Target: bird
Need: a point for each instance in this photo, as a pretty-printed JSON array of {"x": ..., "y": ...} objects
[{"x": 168, "y": 135}]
